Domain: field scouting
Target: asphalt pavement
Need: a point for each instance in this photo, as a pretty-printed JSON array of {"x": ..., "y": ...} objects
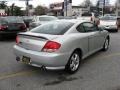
[{"x": 100, "y": 71}]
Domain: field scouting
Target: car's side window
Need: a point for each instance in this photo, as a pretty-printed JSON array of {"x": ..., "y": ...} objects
[
  {"x": 80, "y": 28},
  {"x": 89, "y": 27}
]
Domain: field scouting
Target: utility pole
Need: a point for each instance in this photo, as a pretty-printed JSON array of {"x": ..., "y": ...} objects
[
  {"x": 12, "y": 9},
  {"x": 27, "y": 7},
  {"x": 104, "y": 7},
  {"x": 98, "y": 8}
]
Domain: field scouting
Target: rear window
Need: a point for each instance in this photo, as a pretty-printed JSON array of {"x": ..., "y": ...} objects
[
  {"x": 53, "y": 28},
  {"x": 14, "y": 20},
  {"x": 3, "y": 22}
]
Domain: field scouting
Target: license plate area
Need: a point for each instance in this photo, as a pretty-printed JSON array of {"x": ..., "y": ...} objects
[{"x": 26, "y": 60}]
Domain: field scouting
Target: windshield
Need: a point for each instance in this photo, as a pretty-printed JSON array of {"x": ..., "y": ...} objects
[{"x": 53, "y": 28}]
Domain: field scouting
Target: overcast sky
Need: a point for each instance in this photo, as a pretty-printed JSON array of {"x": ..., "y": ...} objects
[{"x": 47, "y": 2}]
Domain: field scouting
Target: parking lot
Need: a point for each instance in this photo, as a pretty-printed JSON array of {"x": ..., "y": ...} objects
[{"x": 100, "y": 71}]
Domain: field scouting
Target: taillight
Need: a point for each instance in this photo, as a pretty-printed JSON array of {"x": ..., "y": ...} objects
[
  {"x": 3, "y": 27},
  {"x": 23, "y": 27},
  {"x": 17, "y": 40},
  {"x": 51, "y": 46}
]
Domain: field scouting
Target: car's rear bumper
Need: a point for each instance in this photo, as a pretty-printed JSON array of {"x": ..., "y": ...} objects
[
  {"x": 111, "y": 29},
  {"x": 38, "y": 59}
]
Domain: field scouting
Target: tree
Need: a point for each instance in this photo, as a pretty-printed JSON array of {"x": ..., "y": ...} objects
[
  {"x": 40, "y": 10},
  {"x": 87, "y": 3},
  {"x": 3, "y": 4},
  {"x": 17, "y": 11}
]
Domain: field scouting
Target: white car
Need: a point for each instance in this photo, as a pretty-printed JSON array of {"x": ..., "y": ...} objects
[
  {"x": 109, "y": 23},
  {"x": 39, "y": 20}
]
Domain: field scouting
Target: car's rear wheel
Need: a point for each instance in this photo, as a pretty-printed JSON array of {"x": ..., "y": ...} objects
[
  {"x": 0, "y": 37},
  {"x": 106, "y": 45},
  {"x": 116, "y": 30},
  {"x": 73, "y": 63}
]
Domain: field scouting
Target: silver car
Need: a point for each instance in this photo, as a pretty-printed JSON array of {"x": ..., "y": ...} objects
[
  {"x": 109, "y": 23},
  {"x": 60, "y": 44}
]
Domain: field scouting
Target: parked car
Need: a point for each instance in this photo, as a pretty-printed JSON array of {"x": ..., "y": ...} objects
[
  {"x": 87, "y": 18},
  {"x": 93, "y": 18},
  {"x": 66, "y": 17},
  {"x": 11, "y": 26},
  {"x": 38, "y": 20},
  {"x": 109, "y": 23},
  {"x": 60, "y": 44}
]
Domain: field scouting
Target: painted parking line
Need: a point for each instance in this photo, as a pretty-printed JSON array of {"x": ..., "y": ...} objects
[
  {"x": 11, "y": 75},
  {"x": 31, "y": 72}
]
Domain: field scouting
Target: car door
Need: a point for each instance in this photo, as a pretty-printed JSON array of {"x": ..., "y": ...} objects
[
  {"x": 93, "y": 38},
  {"x": 99, "y": 38},
  {"x": 84, "y": 40}
]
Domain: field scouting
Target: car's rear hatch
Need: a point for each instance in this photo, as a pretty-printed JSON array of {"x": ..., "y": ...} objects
[
  {"x": 14, "y": 26},
  {"x": 34, "y": 41}
]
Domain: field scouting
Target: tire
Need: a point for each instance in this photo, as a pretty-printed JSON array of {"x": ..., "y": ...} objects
[
  {"x": 116, "y": 30},
  {"x": 0, "y": 37},
  {"x": 73, "y": 63},
  {"x": 106, "y": 44}
]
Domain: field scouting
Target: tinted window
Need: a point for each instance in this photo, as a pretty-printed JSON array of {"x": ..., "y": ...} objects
[
  {"x": 14, "y": 20},
  {"x": 80, "y": 28},
  {"x": 3, "y": 22},
  {"x": 54, "y": 28},
  {"x": 89, "y": 27}
]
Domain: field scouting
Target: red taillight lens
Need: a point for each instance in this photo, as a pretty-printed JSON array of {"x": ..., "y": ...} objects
[
  {"x": 3, "y": 27},
  {"x": 51, "y": 46},
  {"x": 23, "y": 27},
  {"x": 17, "y": 40}
]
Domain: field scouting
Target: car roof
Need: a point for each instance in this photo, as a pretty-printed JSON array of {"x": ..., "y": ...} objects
[{"x": 45, "y": 16}]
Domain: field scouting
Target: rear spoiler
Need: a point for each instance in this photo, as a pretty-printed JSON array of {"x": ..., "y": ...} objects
[{"x": 33, "y": 36}]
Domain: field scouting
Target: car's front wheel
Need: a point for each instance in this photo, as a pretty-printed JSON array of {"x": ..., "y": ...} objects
[
  {"x": 106, "y": 44},
  {"x": 73, "y": 63}
]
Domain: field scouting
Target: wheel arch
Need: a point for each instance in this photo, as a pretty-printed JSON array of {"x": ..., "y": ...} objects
[{"x": 80, "y": 52}]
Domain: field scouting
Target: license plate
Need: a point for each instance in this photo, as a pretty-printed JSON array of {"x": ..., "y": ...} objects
[{"x": 25, "y": 59}]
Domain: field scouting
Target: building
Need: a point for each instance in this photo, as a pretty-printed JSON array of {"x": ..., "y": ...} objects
[
  {"x": 2, "y": 12},
  {"x": 57, "y": 8},
  {"x": 101, "y": 3},
  {"x": 62, "y": 8},
  {"x": 79, "y": 10},
  {"x": 118, "y": 8},
  {"x": 66, "y": 9}
]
